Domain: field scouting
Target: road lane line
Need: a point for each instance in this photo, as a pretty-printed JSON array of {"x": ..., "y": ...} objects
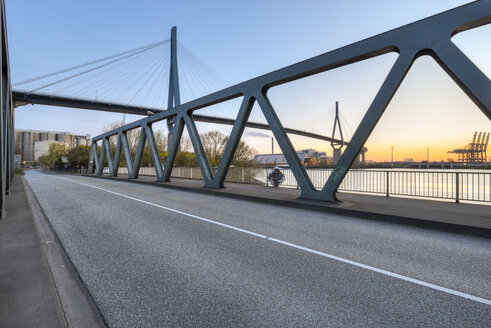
[
  {"x": 305, "y": 249},
  {"x": 384, "y": 272},
  {"x": 172, "y": 210}
]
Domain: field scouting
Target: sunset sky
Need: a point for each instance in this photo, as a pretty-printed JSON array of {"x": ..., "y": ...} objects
[{"x": 241, "y": 40}]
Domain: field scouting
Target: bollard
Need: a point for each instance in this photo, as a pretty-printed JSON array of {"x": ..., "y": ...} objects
[
  {"x": 457, "y": 187},
  {"x": 387, "y": 185}
]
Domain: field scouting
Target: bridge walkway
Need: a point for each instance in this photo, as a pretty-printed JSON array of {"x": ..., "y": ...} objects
[
  {"x": 38, "y": 285},
  {"x": 27, "y": 295}
]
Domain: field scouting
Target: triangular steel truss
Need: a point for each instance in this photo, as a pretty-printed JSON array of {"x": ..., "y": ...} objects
[{"x": 430, "y": 36}]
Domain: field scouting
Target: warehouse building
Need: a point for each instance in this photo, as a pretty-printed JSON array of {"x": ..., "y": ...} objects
[{"x": 31, "y": 144}]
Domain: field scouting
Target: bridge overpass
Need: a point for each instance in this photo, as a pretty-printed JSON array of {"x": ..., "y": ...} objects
[{"x": 22, "y": 98}]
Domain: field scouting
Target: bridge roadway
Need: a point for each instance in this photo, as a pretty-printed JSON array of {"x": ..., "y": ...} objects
[{"x": 154, "y": 257}]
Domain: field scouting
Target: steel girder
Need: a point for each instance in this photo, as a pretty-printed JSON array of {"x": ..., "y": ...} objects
[
  {"x": 430, "y": 36},
  {"x": 22, "y": 98},
  {"x": 6, "y": 117}
]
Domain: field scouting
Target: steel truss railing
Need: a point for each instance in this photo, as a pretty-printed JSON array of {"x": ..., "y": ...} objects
[
  {"x": 430, "y": 36},
  {"x": 6, "y": 118}
]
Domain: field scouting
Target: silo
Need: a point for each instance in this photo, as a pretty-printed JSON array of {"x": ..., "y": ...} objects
[
  {"x": 63, "y": 137},
  {"x": 72, "y": 140},
  {"x": 80, "y": 141}
]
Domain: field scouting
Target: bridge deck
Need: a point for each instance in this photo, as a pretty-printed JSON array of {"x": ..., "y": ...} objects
[{"x": 158, "y": 257}]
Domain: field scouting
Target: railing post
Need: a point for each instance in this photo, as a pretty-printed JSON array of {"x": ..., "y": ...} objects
[
  {"x": 243, "y": 175},
  {"x": 387, "y": 185},
  {"x": 456, "y": 187}
]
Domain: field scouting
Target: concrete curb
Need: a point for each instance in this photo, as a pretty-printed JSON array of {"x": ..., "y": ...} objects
[{"x": 78, "y": 305}]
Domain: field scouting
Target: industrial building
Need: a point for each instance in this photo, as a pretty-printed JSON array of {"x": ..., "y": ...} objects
[
  {"x": 309, "y": 157},
  {"x": 31, "y": 144},
  {"x": 475, "y": 152}
]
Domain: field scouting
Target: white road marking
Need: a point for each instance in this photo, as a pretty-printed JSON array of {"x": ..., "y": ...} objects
[
  {"x": 305, "y": 249},
  {"x": 171, "y": 209}
]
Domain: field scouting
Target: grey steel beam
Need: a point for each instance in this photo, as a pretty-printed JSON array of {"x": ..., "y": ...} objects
[
  {"x": 233, "y": 142},
  {"x": 113, "y": 162},
  {"x": 173, "y": 148},
  {"x": 466, "y": 74},
  {"x": 198, "y": 149},
  {"x": 367, "y": 124},
  {"x": 117, "y": 156},
  {"x": 154, "y": 151},
  {"x": 286, "y": 146},
  {"x": 427, "y": 36},
  {"x": 97, "y": 158},
  {"x": 139, "y": 153},
  {"x": 126, "y": 151}
]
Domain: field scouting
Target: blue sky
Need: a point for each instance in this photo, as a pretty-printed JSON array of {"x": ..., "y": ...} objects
[{"x": 241, "y": 40}]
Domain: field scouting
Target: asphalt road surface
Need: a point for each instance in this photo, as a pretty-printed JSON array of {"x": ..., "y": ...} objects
[{"x": 158, "y": 257}]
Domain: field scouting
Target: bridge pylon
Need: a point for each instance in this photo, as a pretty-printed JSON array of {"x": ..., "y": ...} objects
[
  {"x": 337, "y": 149},
  {"x": 174, "y": 98}
]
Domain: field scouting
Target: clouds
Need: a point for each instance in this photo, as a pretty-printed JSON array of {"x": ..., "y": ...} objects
[{"x": 253, "y": 133}]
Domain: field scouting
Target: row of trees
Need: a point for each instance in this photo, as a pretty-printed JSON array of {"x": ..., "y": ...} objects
[
  {"x": 214, "y": 143},
  {"x": 60, "y": 156}
]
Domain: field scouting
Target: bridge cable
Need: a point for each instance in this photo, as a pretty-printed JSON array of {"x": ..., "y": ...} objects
[
  {"x": 209, "y": 79},
  {"x": 139, "y": 77},
  {"x": 116, "y": 80},
  {"x": 96, "y": 74},
  {"x": 86, "y": 64},
  {"x": 160, "y": 61},
  {"x": 93, "y": 68},
  {"x": 121, "y": 76}
]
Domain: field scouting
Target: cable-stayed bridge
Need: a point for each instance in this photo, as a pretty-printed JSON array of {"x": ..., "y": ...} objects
[{"x": 139, "y": 80}]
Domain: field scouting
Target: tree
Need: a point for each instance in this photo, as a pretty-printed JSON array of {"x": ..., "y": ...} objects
[
  {"x": 132, "y": 135},
  {"x": 57, "y": 154},
  {"x": 161, "y": 140},
  {"x": 185, "y": 156},
  {"x": 243, "y": 154},
  {"x": 214, "y": 143},
  {"x": 43, "y": 160},
  {"x": 133, "y": 140},
  {"x": 79, "y": 156}
]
